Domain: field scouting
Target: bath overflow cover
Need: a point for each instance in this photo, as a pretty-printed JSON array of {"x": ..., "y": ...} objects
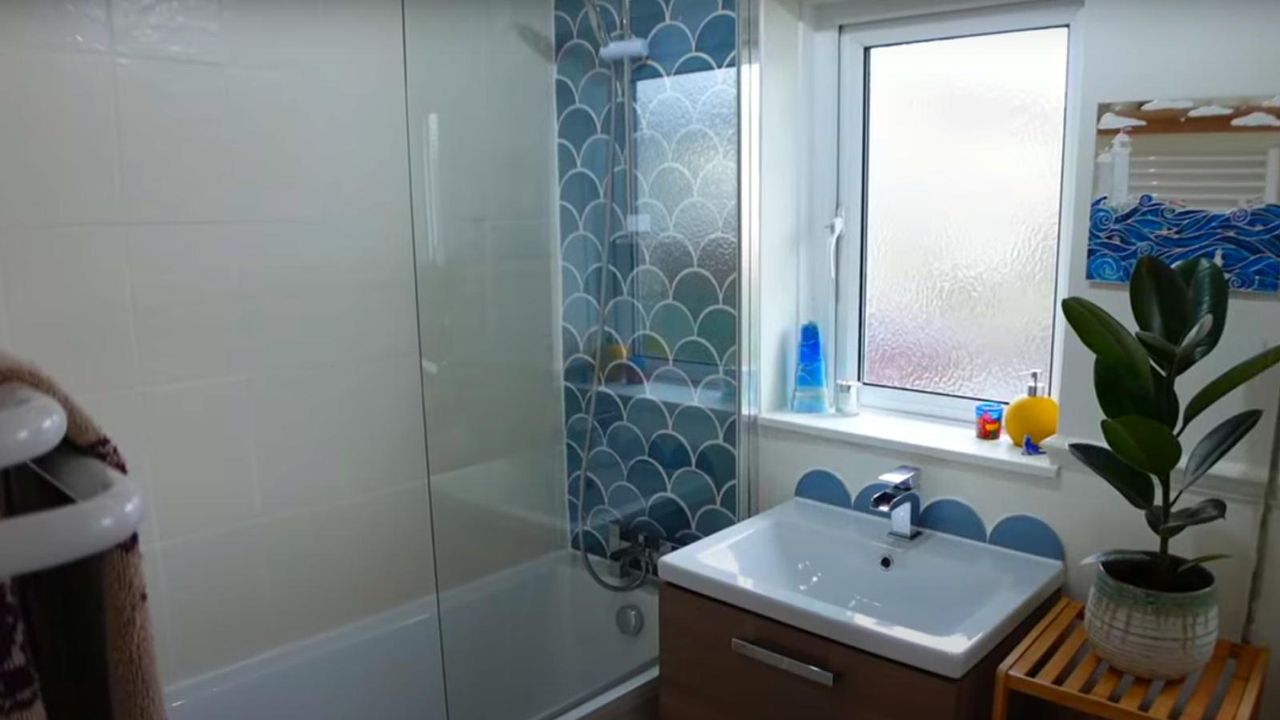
[{"x": 630, "y": 620}]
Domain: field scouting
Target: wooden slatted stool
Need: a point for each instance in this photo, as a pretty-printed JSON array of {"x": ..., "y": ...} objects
[{"x": 1055, "y": 664}]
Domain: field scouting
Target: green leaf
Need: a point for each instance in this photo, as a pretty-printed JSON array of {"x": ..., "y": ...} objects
[
  {"x": 1155, "y": 518},
  {"x": 1143, "y": 443},
  {"x": 1161, "y": 351},
  {"x": 1117, "y": 396},
  {"x": 1113, "y": 555},
  {"x": 1202, "y": 559},
  {"x": 1156, "y": 521},
  {"x": 1108, "y": 339},
  {"x": 1228, "y": 381},
  {"x": 1205, "y": 511},
  {"x": 1135, "y": 485},
  {"x": 1192, "y": 342},
  {"x": 1165, "y": 405},
  {"x": 1208, "y": 297},
  {"x": 1216, "y": 443},
  {"x": 1186, "y": 270},
  {"x": 1159, "y": 299}
]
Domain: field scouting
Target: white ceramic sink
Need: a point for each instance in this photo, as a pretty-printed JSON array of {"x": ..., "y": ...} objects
[{"x": 941, "y": 606}]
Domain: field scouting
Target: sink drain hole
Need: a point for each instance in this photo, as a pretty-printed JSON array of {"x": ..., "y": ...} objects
[{"x": 886, "y": 563}]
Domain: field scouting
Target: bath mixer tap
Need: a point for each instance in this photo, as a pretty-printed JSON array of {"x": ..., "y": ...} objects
[{"x": 901, "y": 501}]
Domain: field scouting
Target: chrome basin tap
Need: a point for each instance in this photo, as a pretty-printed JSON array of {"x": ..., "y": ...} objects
[{"x": 901, "y": 501}]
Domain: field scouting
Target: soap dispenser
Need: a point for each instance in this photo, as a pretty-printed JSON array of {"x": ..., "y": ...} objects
[{"x": 1034, "y": 415}]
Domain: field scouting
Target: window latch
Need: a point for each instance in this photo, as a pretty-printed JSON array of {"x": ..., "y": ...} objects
[{"x": 835, "y": 229}]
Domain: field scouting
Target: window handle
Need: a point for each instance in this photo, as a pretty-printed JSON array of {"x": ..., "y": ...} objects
[{"x": 835, "y": 230}]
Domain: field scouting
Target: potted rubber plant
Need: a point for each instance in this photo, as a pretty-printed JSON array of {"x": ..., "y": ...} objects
[{"x": 1151, "y": 612}]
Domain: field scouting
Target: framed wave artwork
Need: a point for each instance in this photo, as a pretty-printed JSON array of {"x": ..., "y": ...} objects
[{"x": 1185, "y": 179}]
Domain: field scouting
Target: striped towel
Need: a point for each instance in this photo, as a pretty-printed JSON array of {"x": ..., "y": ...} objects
[{"x": 75, "y": 641}]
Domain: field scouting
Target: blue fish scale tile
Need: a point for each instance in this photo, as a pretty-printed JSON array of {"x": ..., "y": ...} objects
[
  {"x": 953, "y": 517},
  {"x": 670, "y": 464},
  {"x": 1028, "y": 534},
  {"x": 825, "y": 487}
]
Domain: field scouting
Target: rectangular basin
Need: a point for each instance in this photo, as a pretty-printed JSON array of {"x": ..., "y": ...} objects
[{"x": 939, "y": 603}]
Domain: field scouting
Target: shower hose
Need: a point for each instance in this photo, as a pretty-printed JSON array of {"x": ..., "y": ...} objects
[{"x": 597, "y": 372}]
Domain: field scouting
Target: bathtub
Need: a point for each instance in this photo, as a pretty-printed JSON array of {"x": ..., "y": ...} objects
[{"x": 535, "y": 641}]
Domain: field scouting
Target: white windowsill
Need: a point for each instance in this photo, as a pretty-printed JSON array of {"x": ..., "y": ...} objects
[{"x": 942, "y": 439}]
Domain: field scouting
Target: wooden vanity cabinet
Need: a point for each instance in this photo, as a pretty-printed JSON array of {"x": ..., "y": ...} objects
[{"x": 703, "y": 677}]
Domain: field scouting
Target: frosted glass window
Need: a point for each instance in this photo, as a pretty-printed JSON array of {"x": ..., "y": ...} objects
[{"x": 963, "y": 180}]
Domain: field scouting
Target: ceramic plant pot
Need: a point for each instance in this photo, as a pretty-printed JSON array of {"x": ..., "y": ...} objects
[{"x": 1151, "y": 634}]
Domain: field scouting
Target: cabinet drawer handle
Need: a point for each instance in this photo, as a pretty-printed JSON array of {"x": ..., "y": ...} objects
[{"x": 812, "y": 673}]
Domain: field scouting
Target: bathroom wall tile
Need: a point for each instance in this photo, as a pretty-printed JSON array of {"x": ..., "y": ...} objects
[
  {"x": 320, "y": 294},
  {"x": 67, "y": 25},
  {"x": 311, "y": 32},
  {"x": 173, "y": 136},
  {"x": 67, "y": 296},
  {"x": 272, "y": 34},
  {"x": 823, "y": 486},
  {"x": 186, "y": 302},
  {"x": 5, "y": 342},
  {"x": 219, "y": 599},
  {"x": 381, "y": 543},
  {"x": 319, "y": 326},
  {"x": 1028, "y": 534},
  {"x": 57, "y": 139},
  {"x": 671, "y": 280},
  {"x": 338, "y": 432},
  {"x": 359, "y": 176},
  {"x": 954, "y": 517},
  {"x": 121, "y": 416},
  {"x": 285, "y": 114},
  {"x": 177, "y": 29},
  {"x": 360, "y": 251},
  {"x": 278, "y": 114},
  {"x": 199, "y": 437}
]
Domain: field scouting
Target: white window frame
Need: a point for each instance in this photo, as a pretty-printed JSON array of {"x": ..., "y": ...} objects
[{"x": 843, "y": 42}]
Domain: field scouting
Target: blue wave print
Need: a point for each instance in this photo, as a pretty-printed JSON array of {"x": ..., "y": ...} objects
[{"x": 1247, "y": 240}]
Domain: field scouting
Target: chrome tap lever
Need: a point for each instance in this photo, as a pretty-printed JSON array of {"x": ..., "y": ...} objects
[{"x": 901, "y": 501}]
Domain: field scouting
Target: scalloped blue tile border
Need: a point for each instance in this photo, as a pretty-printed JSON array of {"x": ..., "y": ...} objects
[{"x": 1023, "y": 533}]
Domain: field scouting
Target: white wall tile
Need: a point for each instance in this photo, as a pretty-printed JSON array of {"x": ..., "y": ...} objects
[
  {"x": 313, "y": 32},
  {"x": 173, "y": 135},
  {"x": 219, "y": 599},
  {"x": 310, "y": 326},
  {"x": 381, "y": 542},
  {"x": 74, "y": 25},
  {"x": 5, "y": 342},
  {"x": 67, "y": 296},
  {"x": 294, "y": 63},
  {"x": 57, "y": 139},
  {"x": 360, "y": 251},
  {"x": 278, "y": 114},
  {"x": 199, "y": 437},
  {"x": 179, "y": 29},
  {"x": 339, "y": 432},
  {"x": 186, "y": 301}
]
